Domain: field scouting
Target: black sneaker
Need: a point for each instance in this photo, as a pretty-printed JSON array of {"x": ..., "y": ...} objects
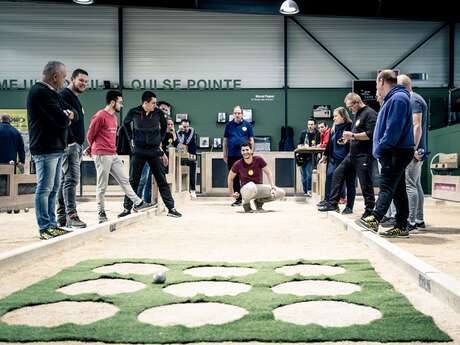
[
  {"x": 347, "y": 210},
  {"x": 62, "y": 221},
  {"x": 143, "y": 206},
  {"x": 420, "y": 225},
  {"x": 73, "y": 221},
  {"x": 322, "y": 203},
  {"x": 329, "y": 207},
  {"x": 366, "y": 214},
  {"x": 395, "y": 232},
  {"x": 124, "y": 213},
  {"x": 174, "y": 213},
  {"x": 369, "y": 223},
  {"x": 411, "y": 227},
  {"x": 247, "y": 208},
  {"x": 237, "y": 203},
  {"x": 102, "y": 217},
  {"x": 388, "y": 222}
]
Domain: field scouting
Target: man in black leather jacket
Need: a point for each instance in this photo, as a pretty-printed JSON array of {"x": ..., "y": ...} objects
[{"x": 146, "y": 126}]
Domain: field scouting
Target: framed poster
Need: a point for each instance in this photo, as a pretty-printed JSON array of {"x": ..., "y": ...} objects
[
  {"x": 221, "y": 117},
  {"x": 180, "y": 117},
  {"x": 322, "y": 111},
  {"x": 247, "y": 115},
  {"x": 366, "y": 89},
  {"x": 204, "y": 142},
  {"x": 217, "y": 143}
]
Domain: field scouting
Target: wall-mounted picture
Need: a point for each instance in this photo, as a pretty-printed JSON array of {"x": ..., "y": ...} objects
[
  {"x": 217, "y": 143},
  {"x": 230, "y": 117},
  {"x": 247, "y": 115},
  {"x": 204, "y": 142},
  {"x": 221, "y": 117},
  {"x": 322, "y": 111},
  {"x": 180, "y": 117}
]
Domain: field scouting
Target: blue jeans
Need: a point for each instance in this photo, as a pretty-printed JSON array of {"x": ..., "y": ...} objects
[
  {"x": 49, "y": 169},
  {"x": 144, "y": 190},
  {"x": 306, "y": 171},
  {"x": 71, "y": 161}
]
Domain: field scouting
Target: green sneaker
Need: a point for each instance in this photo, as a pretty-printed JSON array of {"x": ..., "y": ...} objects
[
  {"x": 46, "y": 235},
  {"x": 57, "y": 231},
  {"x": 369, "y": 223},
  {"x": 395, "y": 232}
]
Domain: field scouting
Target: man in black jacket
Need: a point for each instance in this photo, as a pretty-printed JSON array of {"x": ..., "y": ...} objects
[
  {"x": 148, "y": 128},
  {"x": 308, "y": 137},
  {"x": 67, "y": 206},
  {"x": 187, "y": 137},
  {"x": 359, "y": 160},
  {"x": 48, "y": 119}
]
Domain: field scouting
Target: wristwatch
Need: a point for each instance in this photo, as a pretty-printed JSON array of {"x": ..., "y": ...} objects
[{"x": 353, "y": 136}]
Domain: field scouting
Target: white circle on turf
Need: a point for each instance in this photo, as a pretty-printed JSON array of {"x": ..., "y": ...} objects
[
  {"x": 208, "y": 288},
  {"x": 192, "y": 314},
  {"x": 327, "y": 314},
  {"x": 219, "y": 271},
  {"x": 131, "y": 268},
  {"x": 316, "y": 287},
  {"x": 103, "y": 287},
  {"x": 55, "y": 314},
  {"x": 307, "y": 270}
]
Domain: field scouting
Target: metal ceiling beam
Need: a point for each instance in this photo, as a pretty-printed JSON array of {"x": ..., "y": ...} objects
[
  {"x": 421, "y": 43},
  {"x": 324, "y": 48},
  {"x": 451, "y": 48}
]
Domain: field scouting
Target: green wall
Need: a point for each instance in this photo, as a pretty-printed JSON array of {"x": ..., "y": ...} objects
[
  {"x": 443, "y": 140},
  {"x": 268, "y": 113}
]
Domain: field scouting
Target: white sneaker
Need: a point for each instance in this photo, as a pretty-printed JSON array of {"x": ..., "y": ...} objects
[{"x": 193, "y": 194}]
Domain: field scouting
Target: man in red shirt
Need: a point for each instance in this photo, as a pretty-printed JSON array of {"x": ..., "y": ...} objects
[
  {"x": 250, "y": 169},
  {"x": 101, "y": 137},
  {"x": 325, "y": 133}
]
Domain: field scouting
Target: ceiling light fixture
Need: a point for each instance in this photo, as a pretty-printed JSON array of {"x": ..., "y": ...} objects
[
  {"x": 84, "y": 2},
  {"x": 288, "y": 8}
]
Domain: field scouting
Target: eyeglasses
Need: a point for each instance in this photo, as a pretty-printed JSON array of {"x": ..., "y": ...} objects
[{"x": 237, "y": 112}]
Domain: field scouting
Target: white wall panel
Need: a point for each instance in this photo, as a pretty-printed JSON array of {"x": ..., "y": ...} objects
[
  {"x": 81, "y": 37},
  {"x": 163, "y": 44},
  {"x": 363, "y": 45}
]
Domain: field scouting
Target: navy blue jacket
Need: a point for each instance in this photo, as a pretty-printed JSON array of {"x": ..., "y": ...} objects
[
  {"x": 394, "y": 128},
  {"x": 189, "y": 139},
  {"x": 335, "y": 150},
  {"x": 11, "y": 144}
]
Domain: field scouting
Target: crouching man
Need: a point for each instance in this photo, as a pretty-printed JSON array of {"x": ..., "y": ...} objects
[{"x": 250, "y": 168}]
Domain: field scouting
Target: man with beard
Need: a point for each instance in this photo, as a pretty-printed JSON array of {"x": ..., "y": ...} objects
[{"x": 71, "y": 160}]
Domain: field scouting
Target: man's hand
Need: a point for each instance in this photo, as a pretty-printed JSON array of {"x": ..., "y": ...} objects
[
  {"x": 164, "y": 160},
  {"x": 236, "y": 195},
  {"x": 417, "y": 156},
  {"x": 323, "y": 160},
  {"x": 87, "y": 151},
  {"x": 69, "y": 114},
  {"x": 347, "y": 135}
]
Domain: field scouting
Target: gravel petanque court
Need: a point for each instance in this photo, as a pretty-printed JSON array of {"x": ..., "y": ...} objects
[{"x": 280, "y": 277}]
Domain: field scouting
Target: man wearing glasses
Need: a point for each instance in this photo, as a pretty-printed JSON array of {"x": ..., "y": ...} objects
[
  {"x": 237, "y": 132},
  {"x": 359, "y": 159}
]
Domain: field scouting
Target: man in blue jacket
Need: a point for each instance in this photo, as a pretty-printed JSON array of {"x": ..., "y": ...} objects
[
  {"x": 11, "y": 143},
  {"x": 394, "y": 148}
]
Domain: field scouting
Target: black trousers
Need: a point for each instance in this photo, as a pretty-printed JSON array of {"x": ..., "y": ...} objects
[
  {"x": 236, "y": 181},
  {"x": 352, "y": 166},
  {"x": 156, "y": 167},
  {"x": 393, "y": 185}
]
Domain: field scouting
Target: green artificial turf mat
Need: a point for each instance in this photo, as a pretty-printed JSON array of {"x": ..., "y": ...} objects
[{"x": 400, "y": 320}]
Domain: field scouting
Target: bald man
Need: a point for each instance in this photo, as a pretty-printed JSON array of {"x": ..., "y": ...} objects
[{"x": 414, "y": 188}]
